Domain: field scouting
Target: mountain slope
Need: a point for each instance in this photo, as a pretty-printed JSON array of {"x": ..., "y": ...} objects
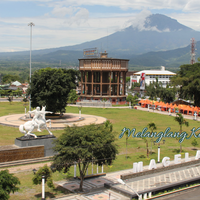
[
  {"x": 164, "y": 23},
  {"x": 171, "y": 59},
  {"x": 158, "y": 33}
]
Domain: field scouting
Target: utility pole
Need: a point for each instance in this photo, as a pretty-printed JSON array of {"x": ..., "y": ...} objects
[{"x": 30, "y": 24}]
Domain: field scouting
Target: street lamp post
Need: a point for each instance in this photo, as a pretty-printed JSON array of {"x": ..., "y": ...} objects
[
  {"x": 123, "y": 183},
  {"x": 195, "y": 115},
  {"x": 159, "y": 150},
  {"x": 43, "y": 188},
  {"x": 30, "y": 24},
  {"x": 79, "y": 107}
]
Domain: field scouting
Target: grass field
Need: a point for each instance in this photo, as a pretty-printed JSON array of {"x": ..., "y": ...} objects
[{"x": 129, "y": 118}]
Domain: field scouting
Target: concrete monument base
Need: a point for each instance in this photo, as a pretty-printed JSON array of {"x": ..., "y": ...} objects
[{"x": 43, "y": 140}]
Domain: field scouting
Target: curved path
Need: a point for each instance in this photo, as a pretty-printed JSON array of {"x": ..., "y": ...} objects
[{"x": 15, "y": 120}]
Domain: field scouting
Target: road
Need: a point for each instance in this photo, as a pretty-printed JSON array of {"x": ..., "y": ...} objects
[
  {"x": 14, "y": 99},
  {"x": 193, "y": 194}
]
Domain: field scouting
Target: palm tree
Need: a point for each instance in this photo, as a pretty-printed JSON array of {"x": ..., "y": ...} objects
[
  {"x": 153, "y": 127},
  {"x": 127, "y": 135},
  {"x": 181, "y": 121}
]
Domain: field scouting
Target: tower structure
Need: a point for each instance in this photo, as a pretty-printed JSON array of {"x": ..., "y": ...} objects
[
  {"x": 192, "y": 52},
  {"x": 103, "y": 78}
]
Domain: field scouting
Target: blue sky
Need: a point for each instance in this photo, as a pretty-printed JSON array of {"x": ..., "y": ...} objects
[{"x": 68, "y": 22}]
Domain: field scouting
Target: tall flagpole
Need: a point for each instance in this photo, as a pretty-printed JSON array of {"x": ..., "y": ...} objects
[{"x": 31, "y": 24}]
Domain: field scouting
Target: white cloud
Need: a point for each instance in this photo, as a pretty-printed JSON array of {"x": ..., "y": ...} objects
[
  {"x": 185, "y": 5},
  {"x": 69, "y": 23},
  {"x": 62, "y": 11},
  {"x": 191, "y": 20},
  {"x": 139, "y": 20},
  {"x": 79, "y": 18},
  {"x": 192, "y": 5}
]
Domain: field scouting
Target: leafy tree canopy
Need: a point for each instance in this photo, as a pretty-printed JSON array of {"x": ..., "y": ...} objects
[
  {"x": 51, "y": 87},
  {"x": 194, "y": 143},
  {"x": 8, "y": 78},
  {"x": 188, "y": 78},
  {"x": 181, "y": 121},
  {"x": 72, "y": 97},
  {"x": 132, "y": 99},
  {"x": 135, "y": 84},
  {"x": 8, "y": 184},
  {"x": 156, "y": 89},
  {"x": 47, "y": 173},
  {"x": 84, "y": 145}
]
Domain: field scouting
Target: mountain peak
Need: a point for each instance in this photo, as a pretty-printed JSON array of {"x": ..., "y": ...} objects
[{"x": 162, "y": 23}]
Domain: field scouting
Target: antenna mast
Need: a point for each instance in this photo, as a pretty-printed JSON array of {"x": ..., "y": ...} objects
[{"x": 192, "y": 53}]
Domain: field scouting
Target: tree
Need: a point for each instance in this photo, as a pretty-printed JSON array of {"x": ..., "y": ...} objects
[
  {"x": 127, "y": 79},
  {"x": 8, "y": 184},
  {"x": 129, "y": 98},
  {"x": 127, "y": 135},
  {"x": 17, "y": 92},
  {"x": 188, "y": 78},
  {"x": 51, "y": 87},
  {"x": 194, "y": 143},
  {"x": 181, "y": 121},
  {"x": 10, "y": 99},
  {"x": 47, "y": 173},
  {"x": 8, "y": 78},
  {"x": 132, "y": 99},
  {"x": 156, "y": 89},
  {"x": 168, "y": 94},
  {"x": 84, "y": 145},
  {"x": 153, "y": 127},
  {"x": 135, "y": 84},
  {"x": 72, "y": 97}
]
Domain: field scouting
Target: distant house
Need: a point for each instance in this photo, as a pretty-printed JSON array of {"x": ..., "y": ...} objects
[
  {"x": 16, "y": 83},
  {"x": 24, "y": 87},
  {"x": 162, "y": 75},
  {"x": 5, "y": 87},
  {"x": 183, "y": 102}
]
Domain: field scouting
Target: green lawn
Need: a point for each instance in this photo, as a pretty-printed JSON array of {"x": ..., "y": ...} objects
[{"x": 129, "y": 118}]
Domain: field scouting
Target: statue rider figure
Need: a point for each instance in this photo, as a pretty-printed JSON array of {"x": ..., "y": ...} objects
[{"x": 37, "y": 114}]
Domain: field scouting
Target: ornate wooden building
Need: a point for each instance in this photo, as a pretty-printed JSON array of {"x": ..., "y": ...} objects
[{"x": 103, "y": 78}]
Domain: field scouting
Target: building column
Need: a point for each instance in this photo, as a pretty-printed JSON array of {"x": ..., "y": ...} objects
[
  {"x": 81, "y": 82},
  {"x": 101, "y": 83},
  {"x": 85, "y": 83},
  {"x": 92, "y": 82},
  {"x": 118, "y": 88},
  {"x": 124, "y": 80},
  {"x": 110, "y": 84}
]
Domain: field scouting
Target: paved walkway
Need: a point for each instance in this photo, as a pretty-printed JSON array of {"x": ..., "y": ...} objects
[
  {"x": 95, "y": 186},
  {"x": 167, "y": 113},
  {"x": 15, "y": 121}
]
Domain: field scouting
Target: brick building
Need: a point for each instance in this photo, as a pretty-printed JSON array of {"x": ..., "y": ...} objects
[{"x": 103, "y": 78}]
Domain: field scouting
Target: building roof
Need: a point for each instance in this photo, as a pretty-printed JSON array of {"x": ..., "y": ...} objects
[
  {"x": 97, "y": 58},
  {"x": 130, "y": 73},
  {"x": 182, "y": 101},
  {"x": 155, "y": 72},
  {"x": 16, "y": 83}
]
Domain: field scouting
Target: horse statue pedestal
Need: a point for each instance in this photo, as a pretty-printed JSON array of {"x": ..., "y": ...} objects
[{"x": 42, "y": 140}]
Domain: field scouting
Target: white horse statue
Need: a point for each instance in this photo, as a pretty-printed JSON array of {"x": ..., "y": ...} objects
[{"x": 37, "y": 122}]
